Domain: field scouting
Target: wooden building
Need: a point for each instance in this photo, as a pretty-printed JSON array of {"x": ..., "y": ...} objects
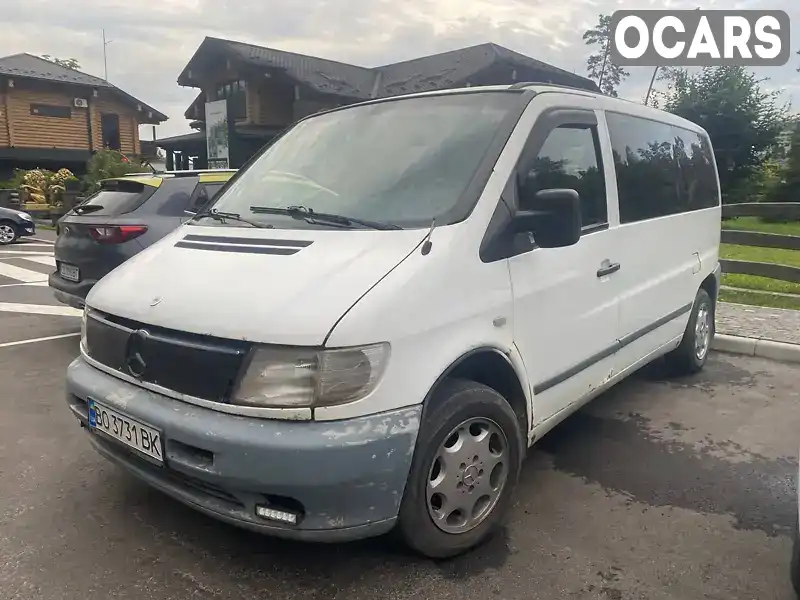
[
  {"x": 54, "y": 117},
  {"x": 270, "y": 89}
]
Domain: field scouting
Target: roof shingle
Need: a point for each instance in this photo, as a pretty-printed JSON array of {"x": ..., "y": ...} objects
[
  {"x": 438, "y": 71},
  {"x": 33, "y": 67}
]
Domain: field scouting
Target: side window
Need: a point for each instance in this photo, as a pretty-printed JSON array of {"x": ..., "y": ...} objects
[
  {"x": 648, "y": 177},
  {"x": 174, "y": 196},
  {"x": 204, "y": 194},
  {"x": 570, "y": 158},
  {"x": 696, "y": 162}
]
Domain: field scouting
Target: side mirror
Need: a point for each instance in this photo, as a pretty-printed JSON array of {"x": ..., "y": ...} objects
[{"x": 554, "y": 217}]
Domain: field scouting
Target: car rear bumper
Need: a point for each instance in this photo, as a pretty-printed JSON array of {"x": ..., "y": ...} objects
[
  {"x": 69, "y": 292},
  {"x": 345, "y": 479}
]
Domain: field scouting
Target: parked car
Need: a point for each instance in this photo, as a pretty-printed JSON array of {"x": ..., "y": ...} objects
[
  {"x": 125, "y": 216},
  {"x": 394, "y": 300},
  {"x": 14, "y": 224}
]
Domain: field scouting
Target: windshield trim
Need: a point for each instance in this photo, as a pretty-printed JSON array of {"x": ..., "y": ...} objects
[{"x": 467, "y": 201}]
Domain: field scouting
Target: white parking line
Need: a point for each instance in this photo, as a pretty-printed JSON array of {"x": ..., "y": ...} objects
[
  {"x": 42, "y": 260},
  {"x": 20, "y": 274},
  {"x": 40, "y": 309},
  {"x": 49, "y": 242},
  {"x": 33, "y": 283},
  {"x": 18, "y": 253},
  {"x": 48, "y": 245},
  {"x": 41, "y": 339}
]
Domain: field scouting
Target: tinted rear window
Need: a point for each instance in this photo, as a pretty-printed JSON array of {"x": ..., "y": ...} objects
[
  {"x": 661, "y": 169},
  {"x": 116, "y": 198},
  {"x": 173, "y": 197}
]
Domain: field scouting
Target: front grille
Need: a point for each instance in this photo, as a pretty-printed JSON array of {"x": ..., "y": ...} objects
[{"x": 196, "y": 365}]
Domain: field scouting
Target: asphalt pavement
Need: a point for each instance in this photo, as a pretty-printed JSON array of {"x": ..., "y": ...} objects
[{"x": 659, "y": 489}]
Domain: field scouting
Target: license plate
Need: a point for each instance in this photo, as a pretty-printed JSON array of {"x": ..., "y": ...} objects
[
  {"x": 69, "y": 272},
  {"x": 130, "y": 432}
]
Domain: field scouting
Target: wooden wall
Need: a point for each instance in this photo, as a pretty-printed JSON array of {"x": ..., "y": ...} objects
[
  {"x": 19, "y": 128},
  {"x": 36, "y": 131},
  {"x": 269, "y": 104},
  {"x": 128, "y": 127},
  {"x": 3, "y": 120}
]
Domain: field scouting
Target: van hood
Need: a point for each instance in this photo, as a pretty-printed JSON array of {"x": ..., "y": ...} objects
[{"x": 261, "y": 285}]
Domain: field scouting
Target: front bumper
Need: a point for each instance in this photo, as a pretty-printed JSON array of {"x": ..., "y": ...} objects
[
  {"x": 345, "y": 477},
  {"x": 26, "y": 228}
]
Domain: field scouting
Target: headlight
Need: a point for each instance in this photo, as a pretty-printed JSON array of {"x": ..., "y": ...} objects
[
  {"x": 299, "y": 378},
  {"x": 24, "y": 216}
]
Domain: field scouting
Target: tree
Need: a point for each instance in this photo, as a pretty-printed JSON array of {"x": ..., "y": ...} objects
[
  {"x": 608, "y": 75},
  {"x": 742, "y": 119},
  {"x": 67, "y": 63}
]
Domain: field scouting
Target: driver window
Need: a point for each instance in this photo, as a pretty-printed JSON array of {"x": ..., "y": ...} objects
[{"x": 570, "y": 158}]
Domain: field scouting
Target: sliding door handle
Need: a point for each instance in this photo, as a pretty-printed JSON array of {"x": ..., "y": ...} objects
[{"x": 607, "y": 268}]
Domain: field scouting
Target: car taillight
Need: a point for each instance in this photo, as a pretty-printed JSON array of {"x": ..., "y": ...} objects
[{"x": 116, "y": 234}]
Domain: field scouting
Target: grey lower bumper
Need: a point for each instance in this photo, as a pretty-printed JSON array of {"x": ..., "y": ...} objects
[{"x": 348, "y": 477}]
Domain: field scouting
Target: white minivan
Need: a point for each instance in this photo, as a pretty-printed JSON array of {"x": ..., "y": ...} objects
[{"x": 392, "y": 302}]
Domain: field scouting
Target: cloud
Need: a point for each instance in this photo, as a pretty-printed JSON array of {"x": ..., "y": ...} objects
[{"x": 154, "y": 39}]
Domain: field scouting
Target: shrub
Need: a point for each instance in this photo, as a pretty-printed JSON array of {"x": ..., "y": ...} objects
[{"x": 106, "y": 164}]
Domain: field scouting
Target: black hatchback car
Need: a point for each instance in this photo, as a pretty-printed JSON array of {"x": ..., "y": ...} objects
[
  {"x": 14, "y": 224},
  {"x": 125, "y": 216}
]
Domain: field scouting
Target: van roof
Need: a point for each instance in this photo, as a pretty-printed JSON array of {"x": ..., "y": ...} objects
[{"x": 608, "y": 103}]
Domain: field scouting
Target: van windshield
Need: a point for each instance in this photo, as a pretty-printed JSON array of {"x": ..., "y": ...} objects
[{"x": 402, "y": 162}]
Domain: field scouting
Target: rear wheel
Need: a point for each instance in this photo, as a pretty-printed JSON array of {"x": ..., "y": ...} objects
[
  {"x": 8, "y": 232},
  {"x": 691, "y": 355},
  {"x": 464, "y": 471}
]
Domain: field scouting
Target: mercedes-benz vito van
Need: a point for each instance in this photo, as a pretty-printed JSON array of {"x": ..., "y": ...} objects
[{"x": 388, "y": 305}]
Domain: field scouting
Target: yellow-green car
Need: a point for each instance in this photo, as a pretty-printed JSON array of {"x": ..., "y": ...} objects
[{"x": 126, "y": 215}]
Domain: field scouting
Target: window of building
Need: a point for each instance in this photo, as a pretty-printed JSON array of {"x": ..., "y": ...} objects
[
  {"x": 109, "y": 128},
  {"x": 235, "y": 92}
]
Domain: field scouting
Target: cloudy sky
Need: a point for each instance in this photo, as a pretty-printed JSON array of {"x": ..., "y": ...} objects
[{"x": 154, "y": 39}]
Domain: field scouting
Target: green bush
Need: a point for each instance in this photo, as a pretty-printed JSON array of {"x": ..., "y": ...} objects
[{"x": 106, "y": 164}]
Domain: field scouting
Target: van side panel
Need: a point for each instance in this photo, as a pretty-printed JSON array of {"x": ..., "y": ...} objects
[
  {"x": 668, "y": 198},
  {"x": 665, "y": 262}
]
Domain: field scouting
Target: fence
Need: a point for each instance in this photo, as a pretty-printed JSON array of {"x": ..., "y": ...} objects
[{"x": 778, "y": 211}]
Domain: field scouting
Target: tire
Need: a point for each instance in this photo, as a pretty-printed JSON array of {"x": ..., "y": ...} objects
[
  {"x": 690, "y": 357},
  {"x": 463, "y": 409},
  {"x": 8, "y": 233},
  {"x": 794, "y": 566}
]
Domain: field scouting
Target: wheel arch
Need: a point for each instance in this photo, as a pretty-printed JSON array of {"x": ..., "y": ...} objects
[{"x": 493, "y": 368}]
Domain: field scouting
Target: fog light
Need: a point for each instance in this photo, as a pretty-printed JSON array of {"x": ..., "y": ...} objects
[{"x": 276, "y": 515}]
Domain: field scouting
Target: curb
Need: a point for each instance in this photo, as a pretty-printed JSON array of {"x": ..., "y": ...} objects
[{"x": 748, "y": 346}]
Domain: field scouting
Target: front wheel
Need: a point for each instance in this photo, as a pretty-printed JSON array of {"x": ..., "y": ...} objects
[
  {"x": 8, "y": 233},
  {"x": 464, "y": 471},
  {"x": 690, "y": 357}
]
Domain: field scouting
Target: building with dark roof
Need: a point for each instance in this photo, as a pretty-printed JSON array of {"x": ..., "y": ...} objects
[
  {"x": 53, "y": 117},
  {"x": 269, "y": 89}
]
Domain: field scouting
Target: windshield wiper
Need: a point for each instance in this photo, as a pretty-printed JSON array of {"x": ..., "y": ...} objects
[
  {"x": 310, "y": 215},
  {"x": 222, "y": 216}
]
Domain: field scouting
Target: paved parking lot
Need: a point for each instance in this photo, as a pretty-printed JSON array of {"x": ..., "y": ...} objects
[{"x": 658, "y": 490}]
